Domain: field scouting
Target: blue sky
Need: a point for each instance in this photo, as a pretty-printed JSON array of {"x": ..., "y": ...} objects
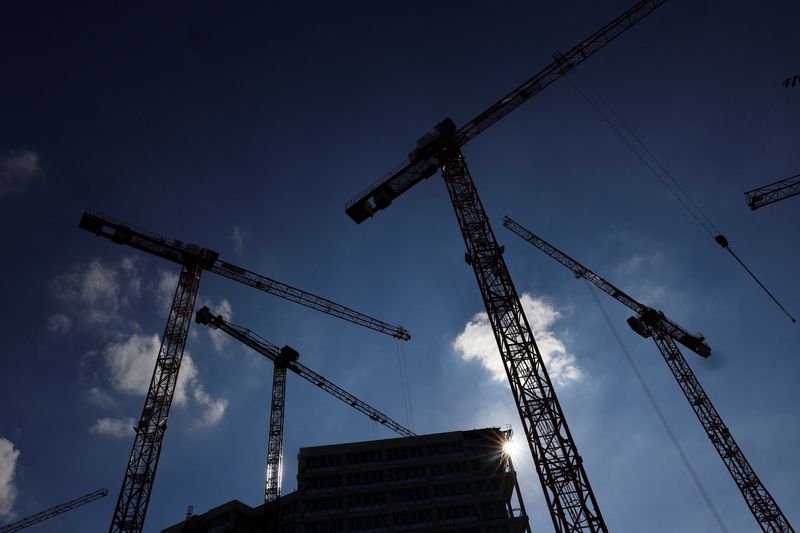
[{"x": 245, "y": 129}]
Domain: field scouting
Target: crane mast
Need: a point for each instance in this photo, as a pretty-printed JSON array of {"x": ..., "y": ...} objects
[
  {"x": 651, "y": 323},
  {"x": 560, "y": 468},
  {"x": 774, "y": 192},
  {"x": 56, "y": 510},
  {"x": 134, "y": 497},
  {"x": 569, "y": 496},
  {"x": 272, "y": 489},
  {"x": 283, "y": 359}
]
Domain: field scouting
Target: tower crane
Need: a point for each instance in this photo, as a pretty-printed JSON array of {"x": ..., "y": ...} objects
[
  {"x": 651, "y": 323},
  {"x": 56, "y": 510},
  {"x": 134, "y": 496},
  {"x": 774, "y": 192},
  {"x": 283, "y": 359},
  {"x": 569, "y": 496}
]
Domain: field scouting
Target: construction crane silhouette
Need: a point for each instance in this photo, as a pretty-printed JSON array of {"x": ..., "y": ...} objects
[
  {"x": 283, "y": 359},
  {"x": 569, "y": 496},
  {"x": 774, "y": 192},
  {"x": 56, "y": 510},
  {"x": 651, "y": 323},
  {"x": 134, "y": 496}
]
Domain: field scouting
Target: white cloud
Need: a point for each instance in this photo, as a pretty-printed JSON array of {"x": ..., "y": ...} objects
[
  {"x": 116, "y": 428},
  {"x": 59, "y": 324},
  {"x": 8, "y": 467},
  {"x": 636, "y": 262},
  {"x": 95, "y": 293},
  {"x": 477, "y": 342},
  {"x": 165, "y": 288},
  {"x": 130, "y": 364},
  {"x": 237, "y": 238},
  {"x": 101, "y": 398},
  {"x": 18, "y": 168},
  {"x": 214, "y": 408}
]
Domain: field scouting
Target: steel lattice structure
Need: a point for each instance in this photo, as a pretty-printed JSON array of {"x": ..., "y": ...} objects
[
  {"x": 272, "y": 352},
  {"x": 134, "y": 496},
  {"x": 652, "y": 323},
  {"x": 559, "y": 466},
  {"x": 423, "y": 162},
  {"x": 693, "y": 341},
  {"x": 571, "y": 502},
  {"x": 765, "y": 509},
  {"x": 283, "y": 359},
  {"x": 56, "y": 510},
  {"x": 272, "y": 487},
  {"x": 774, "y": 192}
]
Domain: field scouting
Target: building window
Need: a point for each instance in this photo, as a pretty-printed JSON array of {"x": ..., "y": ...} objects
[
  {"x": 413, "y": 520},
  {"x": 458, "y": 515},
  {"x": 449, "y": 470},
  {"x": 413, "y": 496},
  {"x": 370, "y": 524},
  {"x": 361, "y": 480},
  {"x": 408, "y": 475},
  {"x": 404, "y": 455},
  {"x": 366, "y": 501},
  {"x": 453, "y": 491},
  {"x": 370, "y": 457},
  {"x": 321, "y": 463}
]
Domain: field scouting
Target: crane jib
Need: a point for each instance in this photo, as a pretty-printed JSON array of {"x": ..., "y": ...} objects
[{"x": 424, "y": 163}]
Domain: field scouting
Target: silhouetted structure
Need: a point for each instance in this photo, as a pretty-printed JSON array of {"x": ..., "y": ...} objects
[
  {"x": 56, "y": 510},
  {"x": 774, "y": 192},
  {"x": 455, "y": 481},
  {"x": 652, "y": 323},
  {"x": 140, "y": 472},
  {"x": 569, "y": 496}
]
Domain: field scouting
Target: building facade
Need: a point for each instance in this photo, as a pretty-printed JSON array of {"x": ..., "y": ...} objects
[{"x": 455, "y": 481}]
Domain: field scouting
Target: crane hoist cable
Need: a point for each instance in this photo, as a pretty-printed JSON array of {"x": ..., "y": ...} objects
[
  {"x": 640, "y": 149},
  {"x": 664, "y": 422},
  {"x": 404, "y": 385}
]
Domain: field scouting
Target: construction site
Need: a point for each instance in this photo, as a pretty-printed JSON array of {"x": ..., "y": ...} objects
[{"x": 174, "y": 181}]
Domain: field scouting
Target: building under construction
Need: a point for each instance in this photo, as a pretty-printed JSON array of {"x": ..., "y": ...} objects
[{"x": 455, "y": 481}]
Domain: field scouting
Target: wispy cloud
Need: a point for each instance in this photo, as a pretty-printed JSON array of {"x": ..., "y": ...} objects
[
  {"x": 8, "y": 467},
  {"x": 214, "y": 408},
  {"x": 59, "y": 324},
  {"x": 635, "y": 263},
  {"x": 101, "y": 398},
  {"x": 96, "y": 292},
  {"x": 18, "y": 168},
  {"x": 476, "y": 342},
  {"x": 237, "y": 238},
  {"x": 165, "y": 288},
  {"x": 116, "y": 428}
]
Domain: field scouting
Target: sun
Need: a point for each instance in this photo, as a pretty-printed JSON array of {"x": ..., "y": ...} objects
[{"x": 511, "y": 449}]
